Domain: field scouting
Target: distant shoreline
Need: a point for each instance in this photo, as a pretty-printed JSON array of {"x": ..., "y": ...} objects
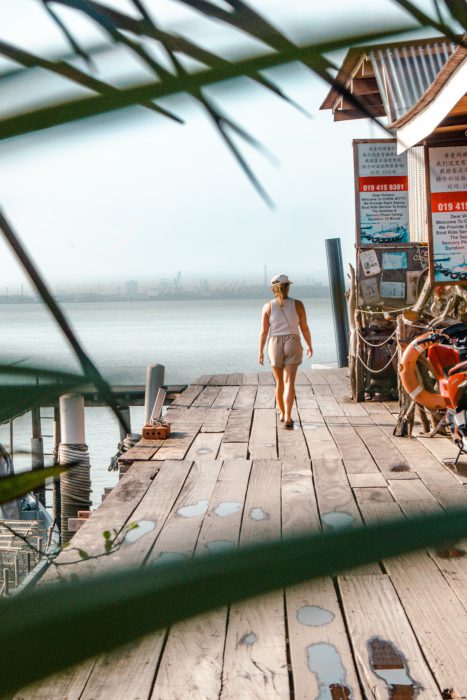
[{"x": 299, "y": 291}]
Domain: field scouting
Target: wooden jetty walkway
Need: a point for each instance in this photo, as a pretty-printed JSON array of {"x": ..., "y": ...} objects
[{"x": 231, "y": 474}]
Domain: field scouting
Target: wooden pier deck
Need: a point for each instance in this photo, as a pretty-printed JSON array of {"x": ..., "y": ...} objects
[{"x": 231, "y": 474}]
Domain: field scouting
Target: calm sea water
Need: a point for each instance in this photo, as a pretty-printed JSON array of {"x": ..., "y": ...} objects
[{"x": 188, "y": 337}]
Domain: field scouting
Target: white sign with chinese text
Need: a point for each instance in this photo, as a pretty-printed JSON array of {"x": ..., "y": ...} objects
[
  {"x": 448, "y": 185},
  {"x": 382, "y": 193}
]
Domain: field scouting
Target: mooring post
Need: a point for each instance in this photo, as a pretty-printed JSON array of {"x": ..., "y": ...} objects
[
  {"x": 75, "y": 483},
  {"x": 125, "y": 414},
  {"x": 56, "y": 496},
  {"x": 37, "y": 449},
  {"x": 154, "y": 381},
  {"x": 339, "y": 307}
]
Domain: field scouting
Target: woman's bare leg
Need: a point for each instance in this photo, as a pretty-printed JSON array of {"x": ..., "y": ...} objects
[
  {"x": 278, "y": 373},
  {"x": 290, "y": 372}
]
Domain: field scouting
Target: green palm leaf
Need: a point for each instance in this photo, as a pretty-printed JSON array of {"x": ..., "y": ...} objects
[
  {"x": 14, "y": 486},
  {"x": 48, "y": 629}
]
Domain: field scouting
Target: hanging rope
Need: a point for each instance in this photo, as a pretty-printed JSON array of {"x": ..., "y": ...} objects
[
  {"x": 75, "y": 484},
  {"x": 377, "y": 371},
  {"x": 376, "y": 345}
]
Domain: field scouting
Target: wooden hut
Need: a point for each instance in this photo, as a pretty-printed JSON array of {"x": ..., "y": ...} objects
[{"x": 410, "y": 197}]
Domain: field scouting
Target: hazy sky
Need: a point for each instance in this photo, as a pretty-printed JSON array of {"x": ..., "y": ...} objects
[{"x": 133, "y": 195}]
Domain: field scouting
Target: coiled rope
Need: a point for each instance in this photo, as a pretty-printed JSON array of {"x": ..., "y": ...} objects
[
  {"x": 129, "y": 441},
  {"x": 75, "y": 484}
]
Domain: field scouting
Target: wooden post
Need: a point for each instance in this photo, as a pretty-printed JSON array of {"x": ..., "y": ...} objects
[
  {"x": 37, "y": 449},
  {"x": 125, "y": 414},
  {"x": 56, "y": 494},
  {"x": 337, "y": 287},
  {"x": 6, "y": 582},
  {"x": 154, "y": 381}
]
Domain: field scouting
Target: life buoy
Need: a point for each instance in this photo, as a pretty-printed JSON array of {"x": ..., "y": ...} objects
[{"x": 409, "y": 378}]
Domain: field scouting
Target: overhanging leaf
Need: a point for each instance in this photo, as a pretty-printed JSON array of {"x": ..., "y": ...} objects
[
  {"x": 23, "y": 388},
  {"x": 14, "y": 486},
  {"x": 81, "y": 619}
]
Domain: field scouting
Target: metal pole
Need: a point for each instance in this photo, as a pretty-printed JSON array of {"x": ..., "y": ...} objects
[
  {"x": 154, "y": 381},
  {"x": 339, "y": 307}
]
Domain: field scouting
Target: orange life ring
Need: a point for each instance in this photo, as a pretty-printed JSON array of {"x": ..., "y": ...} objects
[{"x": 409, "y": 378}]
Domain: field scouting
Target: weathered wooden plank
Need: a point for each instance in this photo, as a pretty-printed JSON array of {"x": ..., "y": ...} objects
[
  {"x": 351, "y": 408},
  {"x": 265, "y": 397},
  {"x": 366, "y": 480},
  {"x": 315, "y": 376},
  {"x": 203, "y": 380},
  {"x": 322, "y": 390},
  {"x": 183, "y": 433},
  {"x": 238, "y": 426},
  {"x": 384, "y": 644},
  {"x": 318, "y": 438},
  {"x": 375, "y": 407},
  {"x": 180, "y": 532},
  {"x": 263, "y": 438},
  {"x": 352, "y": 449},
  {"x": 443, "y": 448},
  {"x": 226, "y": 397},
  {"x": 216, "y": 420},
  {"x": 113, "y": 513},
  {"x": 205, "y": 446},
  {"x": 266, "y": 379},
  {"x": 336, "y": 502},
  {"x": 412, "y": 490},
  {"x": 384, "y": 452},
  {"x": 320, "y": 654},
  {"x": 255, "y": 662},
  {"x": 299, "y": 506},
  {"x": 421, "y": 460},
  {"x": 291, "y": 444},
  {"x": 301, "y": 378},
  {"x": 122, "y": 673},
  {"x": 246, "y": 397},
  {"x": 218, "y": 380},
  {"x": 187, "y": 397},
  {"x": 250, "y": 378},
  {"x": 235, "y": 379},
  {"x": 207, "y": 397},
  {"x": 139, "y": 453},
  {"x": 233, "y": 450},
  {"x": 437, "y": 617},
  {"x": 193, "y": 656},
  {"x": 305, "y": 397}
]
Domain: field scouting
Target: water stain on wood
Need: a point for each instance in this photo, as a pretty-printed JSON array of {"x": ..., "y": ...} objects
[
  {"x": 325, "y": 662},
  {"x": 388, "y": 663},
  {"x": 139, "y": 529},
  {"x": 193, "y": 510},
  {"x": 217, "y": 546},
  {"x": 314, "y": 616},
  {"x": 258, "y": 514},
  {"x": 228, "y": 508},
  {"x": 337, "y": 520}
]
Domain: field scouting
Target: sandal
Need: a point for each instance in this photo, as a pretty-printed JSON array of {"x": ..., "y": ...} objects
[{"x": 289, "y": 424}]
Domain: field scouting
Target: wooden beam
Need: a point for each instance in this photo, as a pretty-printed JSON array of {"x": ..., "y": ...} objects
[
  {"x": 346, "y": 114},
  {"x": 364, "y": 86}
]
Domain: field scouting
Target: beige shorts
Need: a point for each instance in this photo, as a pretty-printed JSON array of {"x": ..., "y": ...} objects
[{"x": 285, "y": 350}]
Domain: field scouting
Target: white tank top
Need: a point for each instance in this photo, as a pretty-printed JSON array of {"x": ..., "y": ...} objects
[{"x": 283, "y": 320}]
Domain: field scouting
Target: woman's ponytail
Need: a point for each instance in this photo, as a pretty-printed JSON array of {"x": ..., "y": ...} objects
[{"x": 281, "y": 291}]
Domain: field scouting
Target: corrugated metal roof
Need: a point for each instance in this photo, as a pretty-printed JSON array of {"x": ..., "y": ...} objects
[{"x": 404, "y": 73}]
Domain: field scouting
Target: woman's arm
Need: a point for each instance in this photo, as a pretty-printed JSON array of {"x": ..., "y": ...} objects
[
  {"x": 304, "y": 327},
  {"x": 263, "y": 334}
]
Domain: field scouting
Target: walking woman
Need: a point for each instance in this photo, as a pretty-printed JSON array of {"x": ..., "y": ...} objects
[{"x": 283, "y": 319}]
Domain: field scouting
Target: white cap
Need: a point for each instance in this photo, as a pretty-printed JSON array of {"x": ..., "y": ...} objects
[{"x": 282, "y": 279}]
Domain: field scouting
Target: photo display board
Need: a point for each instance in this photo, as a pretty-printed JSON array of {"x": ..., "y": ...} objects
[
  {"x": 447, "y": 194},
  {"x": 381, "y": 193},
  {"x": 390, "y": 275}
]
